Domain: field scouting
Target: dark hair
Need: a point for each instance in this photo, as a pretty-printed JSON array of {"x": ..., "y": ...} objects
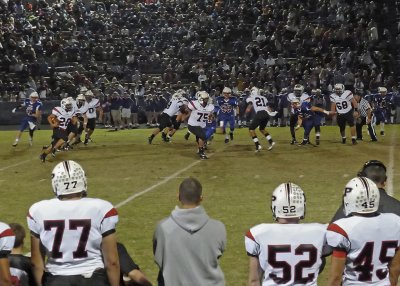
[
  {"x": 19, "y": 233},
  {"x": 374, "y": 170},
  {"x": 190, "y": 191}
]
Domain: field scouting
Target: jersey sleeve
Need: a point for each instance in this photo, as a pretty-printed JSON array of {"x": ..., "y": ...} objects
[
  {"x": 191, "y": 105},
  {"x": 7, "y": 239},
  {"x": 109, "y": 221},
  {"x": 33, "y": 224},
  {"x": 332, "y": 98},
  {"x": 338, "y": 239},
  {"x": 252, "y": 246}
]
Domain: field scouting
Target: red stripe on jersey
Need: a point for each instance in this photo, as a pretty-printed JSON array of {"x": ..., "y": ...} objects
[
  {"x": 192, "y": 104},
  {"x": 250, "y": 235},
  {"x": 7, "y": 232},
  {"x": 55, "y": 108},
  {"x": 29, "y": 215},
  {"x": 339, "y": 253},
  {"x": 112, "y": 212},
  {"x": 335, "y": 228}
]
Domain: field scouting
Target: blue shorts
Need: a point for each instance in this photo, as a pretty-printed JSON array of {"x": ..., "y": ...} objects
[{"x": 25, "y": 123}]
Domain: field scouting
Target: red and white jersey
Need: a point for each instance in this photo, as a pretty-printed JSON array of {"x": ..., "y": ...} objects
[
  {"x": 71, "y": 232},
  {"x": 173, "y": 106},
  {"x": 289, "y": 254},
  {"x": 368, "y": 244},
  {"x": 260, "y": 103},
  {"x": 199, "y": 114},
  {"x": 63, "y": 116},
  {"x": 7, "y": 239},
  {"x": 90, "y": 108},
  {"x": 79, "y": 111},
  {"x": 343, "y": 101}
]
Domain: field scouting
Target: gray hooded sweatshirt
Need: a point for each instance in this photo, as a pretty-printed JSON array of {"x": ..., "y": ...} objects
[{"x": 187, "y": 246}]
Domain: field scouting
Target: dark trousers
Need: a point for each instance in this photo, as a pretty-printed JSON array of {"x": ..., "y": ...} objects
[
  {"x": 99, "y": 278},
  {"x": 371, "y": 130}
]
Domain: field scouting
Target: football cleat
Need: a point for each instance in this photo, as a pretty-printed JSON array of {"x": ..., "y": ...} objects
[
  {"x": 226, "y": 140},
  {"x": 258, "y": 148},
  {"x": 271, "y": 146},
  {"x": 354, "y": 141},
  {"x": 15, "y": 143},
  {"x": 317, "y": 141},
  {"x": 187, "y": 136},
  {"x": 203, "y": 156},
  {"x": 42, "y": 157},
  {"x": 383, "y": 133},
  {"x": 150, "y": 139},
  {"x": 304, "y": 143},
  {"x": 231, "y": 136},
  {"x": 293, "y": 142},
  {"x": 343, "y": 140}
]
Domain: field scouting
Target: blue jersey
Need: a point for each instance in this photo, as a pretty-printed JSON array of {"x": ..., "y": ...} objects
[
  {"x": 227, "y": 106},
  {"x": 382, "y": 102},
  {"x": 32, "y": 107},
  {"x": 305, "y": 110}
]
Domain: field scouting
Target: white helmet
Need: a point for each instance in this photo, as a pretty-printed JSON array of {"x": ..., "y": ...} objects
[
  {"x": 201, "y": 96},
  {"x": 339, "y": 88},
  {"x": 254, "y": 91},
  {"x": 361, "y": 195},
  {"x": 382, "y": 89},
  {"x": 34, "y": 95},
  {"x": 298, "y": 89},
  {"x": 68, "y": 177},
  {"x": 288, "y": 201},
  {"x": 177, "y": 95},
  {"x": 80, "y": 97},
  {"x": 66, "y": 104},
  {"x": 227, "y": 90}
]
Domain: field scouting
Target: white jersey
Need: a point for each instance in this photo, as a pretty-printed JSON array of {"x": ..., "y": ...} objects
[
  {"x": 199, "y": 115},
  {"x": 289, "y": 254},
  {"x": 79, "y": 111},
  {"x": 368, "y": 244},
  {"x": 90, "y": 108},
  {"x": 7, "y": 239},
  {"x": 260, "y": 103},
  {"x": 63, "y": 116},
  {"x": 343, "y": 101},
  {"x": 71, "y": 232},
  {"x": 173, "y": 106}
]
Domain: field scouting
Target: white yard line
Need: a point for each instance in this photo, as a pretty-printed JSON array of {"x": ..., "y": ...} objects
[
  {"x": 390, "y": 169},
  {"x": 14, "y": 165},
  {"x": 165, "y": 180}
]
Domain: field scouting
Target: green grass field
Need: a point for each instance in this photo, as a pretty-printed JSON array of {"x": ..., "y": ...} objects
[{"x": 237, "y": 183}]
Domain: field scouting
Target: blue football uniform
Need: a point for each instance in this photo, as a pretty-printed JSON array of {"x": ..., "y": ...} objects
[
  {"x": 211, "y": 126},
  {"x": 308, "y": 118},
  {"x": 30, "y": 109},
  {"x": 226, "y": 111},
  {"x": 381, "y": 105}
]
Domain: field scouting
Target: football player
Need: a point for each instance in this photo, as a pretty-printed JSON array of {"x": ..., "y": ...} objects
[
  {"x": 380, "y": 104},
  {"x": 318, "y": 100},
  {"x": 80, "y": 112},
  {"x": 286, "y": 252},
  {"x": 298, "y": 91},
  {"x": 91, "y": 108},
  {"x": 200, "y": 112},
  {"x": 263, "y": 114},
  {"x": 73, "y": 239},
  {"x": 227, "y": 110},
  {"x": 33, "y": 109},
  {"x": 346, "y": 107},
  {"x": 307, "y": 118},
  {"x": 365, "y": 241},
  {"x": 174, "y": 105},
  {"x": 7, "y": 239},
  {"x": 59, "y": 120}
]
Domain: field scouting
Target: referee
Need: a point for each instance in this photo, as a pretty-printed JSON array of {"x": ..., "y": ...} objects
[{"x": 365, "y": 117}]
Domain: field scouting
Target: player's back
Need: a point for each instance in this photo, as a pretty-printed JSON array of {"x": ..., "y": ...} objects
[
  {"x": 259, "y": 102},
  {"x": 289, "y": 254},
  {"x": 71, "y": 232},
  {"x": 370, "y": 243}
]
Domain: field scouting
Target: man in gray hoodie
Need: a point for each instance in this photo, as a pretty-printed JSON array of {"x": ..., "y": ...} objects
[{"x": 188, "y": 243}]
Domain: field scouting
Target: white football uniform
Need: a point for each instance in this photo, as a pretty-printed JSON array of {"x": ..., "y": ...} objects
[
  {"x": 90, "y": 108},
  {"x": 343, "y": 101},
  {"x": 199, "y": 114},
  {"x": 79, "y": 111},
  {"x": 71, "y": 233},
  {"x": 289, "y": 254},
  {"x": 63, "y": 116},
  {"x": 260, "y": 103},
  {"x": 173, "y": 106},
  {"x": 7, "y": 239},
  {"x": 368, "y": 244}
]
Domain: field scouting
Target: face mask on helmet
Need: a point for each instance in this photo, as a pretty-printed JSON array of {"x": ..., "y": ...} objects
[
  {"x": 382, "y": 90},
  {"x": 288, "y": 201},
  {"x": 203, "y": 97},
  {"x": 360, "y": 195},
  {"x": 298, "y": 90},
  {"x": 66, "y": 104},
  {"x": 339, "y": 88},
  {"x": 68, "y": 177}
]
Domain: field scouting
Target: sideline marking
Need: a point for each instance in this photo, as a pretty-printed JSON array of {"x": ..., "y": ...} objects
[
  {"x": 14, "y": 165},
  {"x": 149, "y": 189},
  {"x": 390, "y": 169}
]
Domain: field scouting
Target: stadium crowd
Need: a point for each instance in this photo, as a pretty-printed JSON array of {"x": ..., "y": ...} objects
[{"x": 147, "y": 48}]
